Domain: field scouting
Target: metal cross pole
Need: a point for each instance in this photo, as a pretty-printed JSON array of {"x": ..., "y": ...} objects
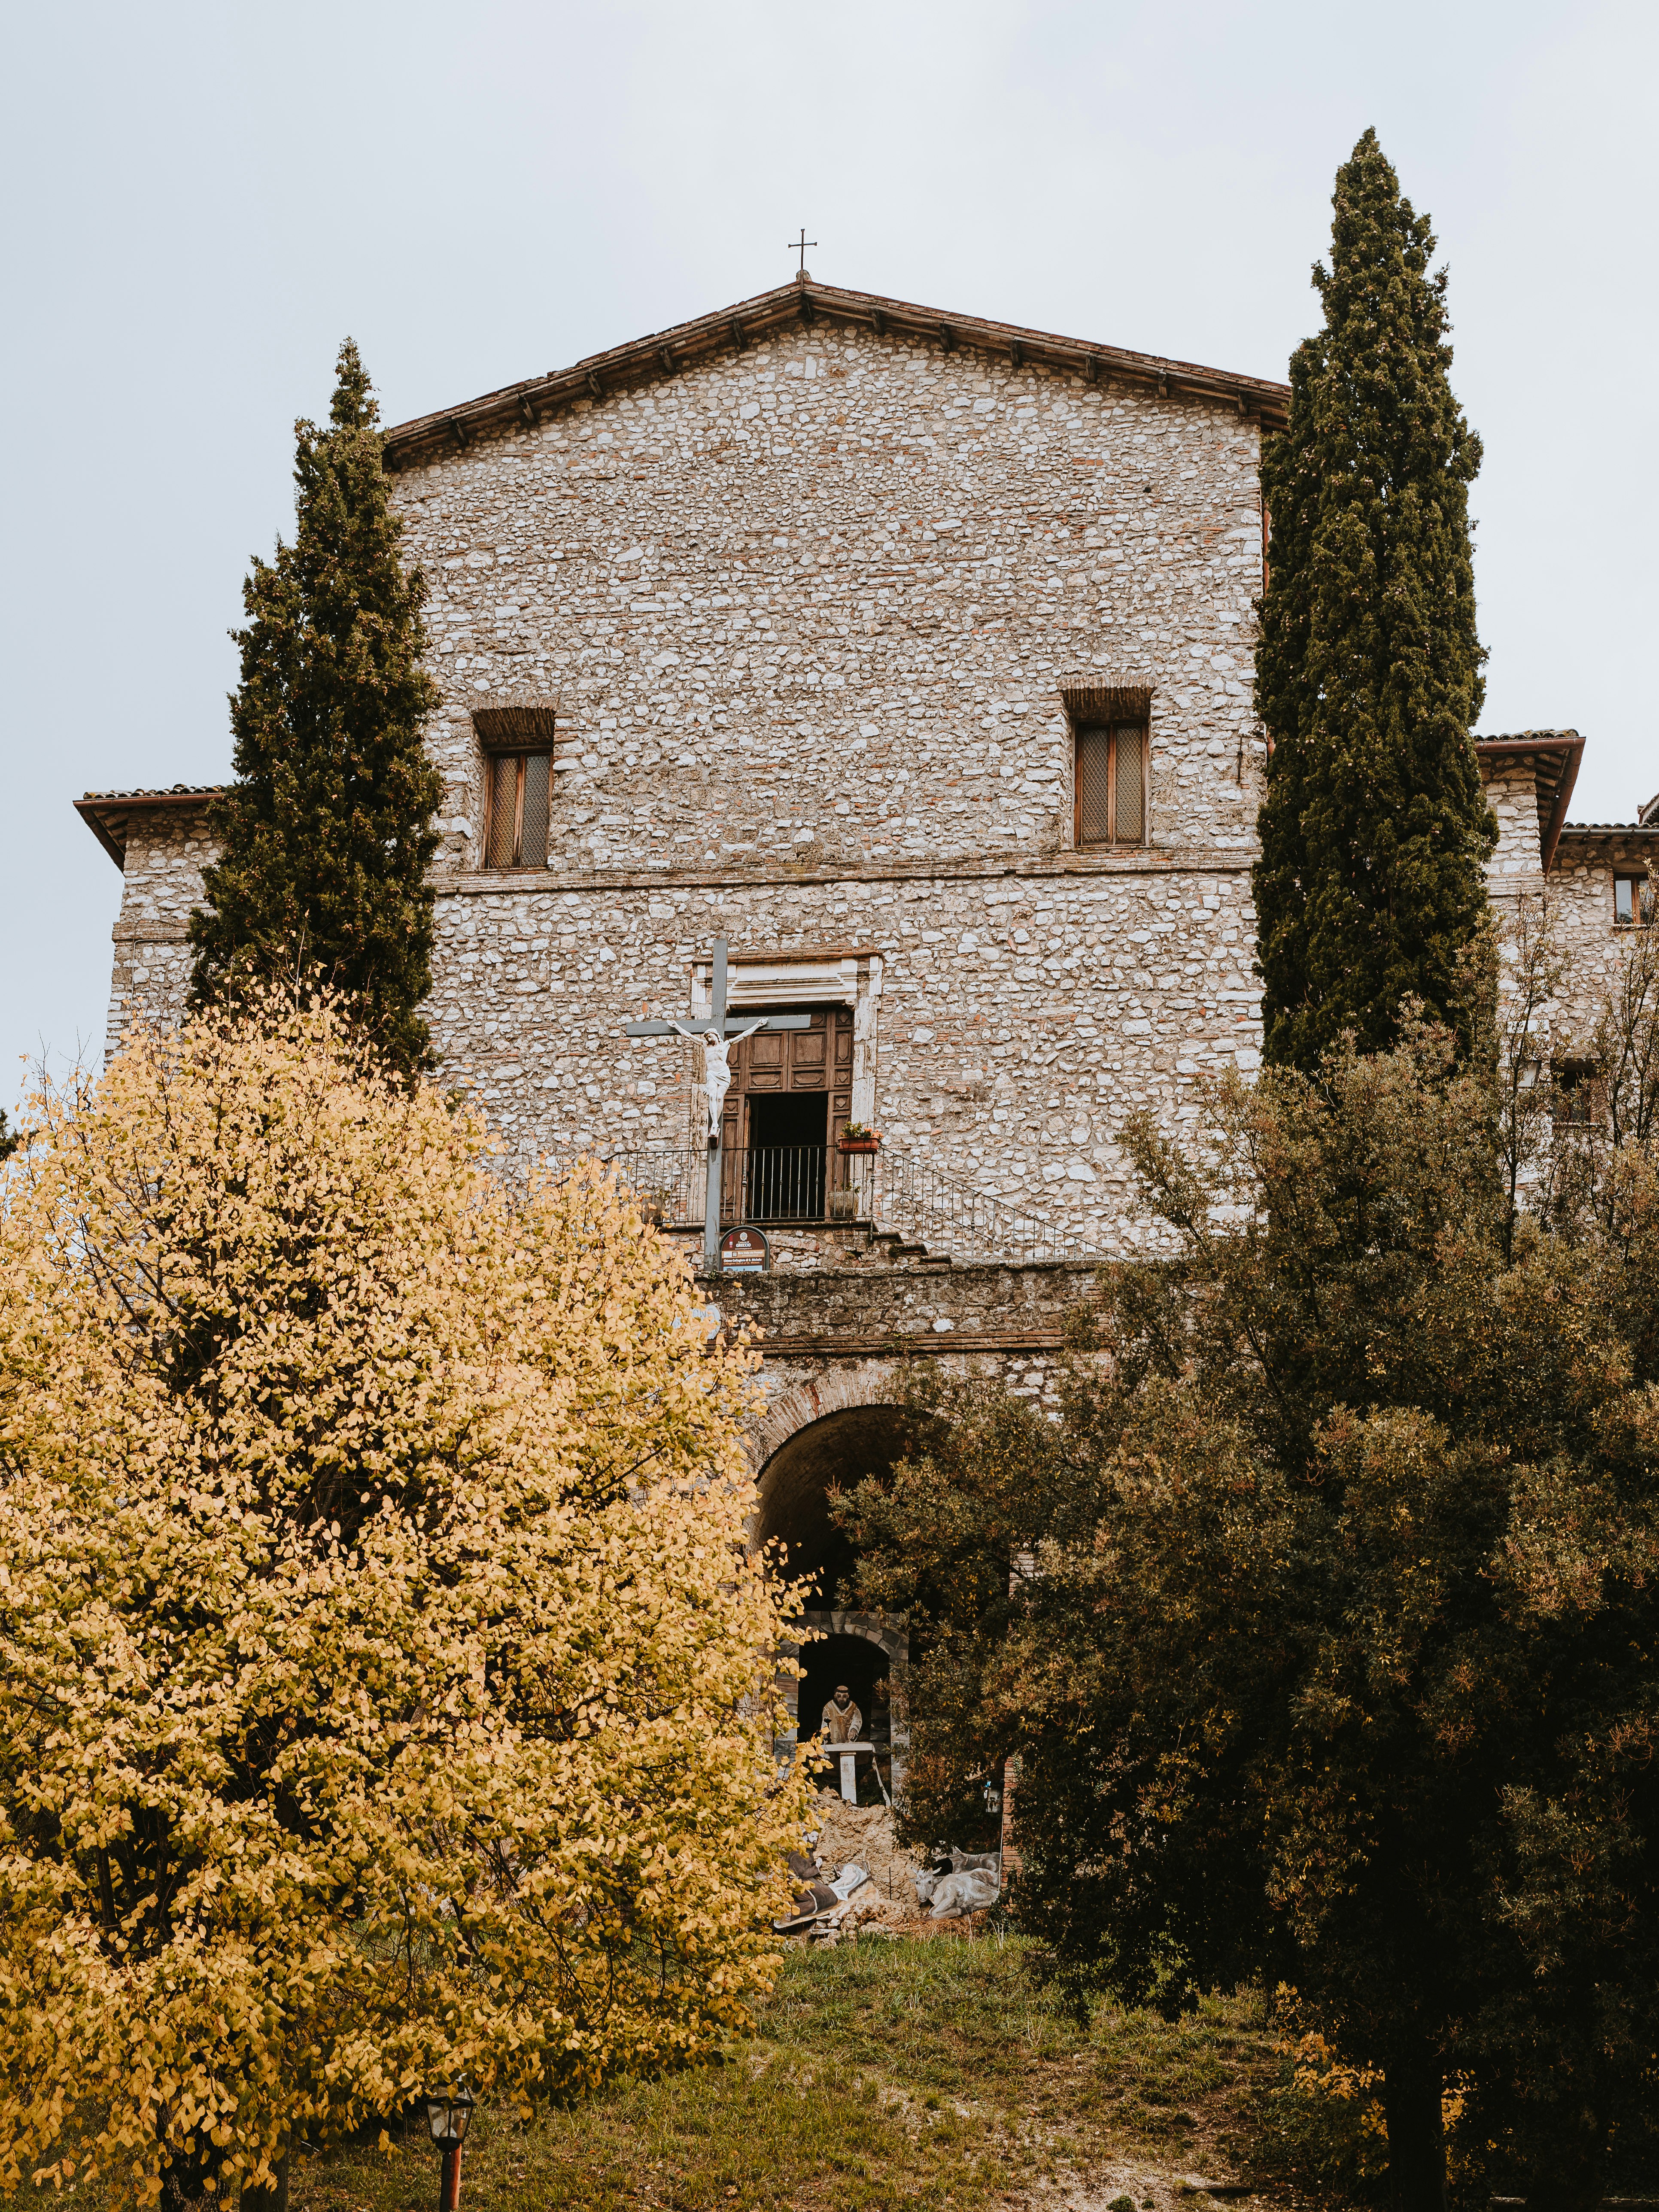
[
  {"x": 719, "y": 1020},
  {"x": 799, "y": 245}
]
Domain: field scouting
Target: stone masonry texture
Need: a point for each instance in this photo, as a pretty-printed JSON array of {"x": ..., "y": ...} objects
[
  {"x": 808, "y": 616},
  {"x": 816, "y": 620}
]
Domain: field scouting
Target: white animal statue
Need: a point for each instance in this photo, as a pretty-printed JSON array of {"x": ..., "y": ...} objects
[{"x": 974, "y": 1883}]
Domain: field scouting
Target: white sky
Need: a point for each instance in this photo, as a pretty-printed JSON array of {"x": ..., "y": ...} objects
[{"x": 202, "y": 200}]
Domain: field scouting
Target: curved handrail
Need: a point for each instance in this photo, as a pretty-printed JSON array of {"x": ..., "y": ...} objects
[{"x": 888, "y": 1191}]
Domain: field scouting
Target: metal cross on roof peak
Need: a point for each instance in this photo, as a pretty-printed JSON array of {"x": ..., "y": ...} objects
[{"x": 799, "y": 245}]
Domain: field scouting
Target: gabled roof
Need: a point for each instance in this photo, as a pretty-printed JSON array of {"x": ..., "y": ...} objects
[
  {"x": 1553, "y": 757},
  {"x": 665, "y": 353}
]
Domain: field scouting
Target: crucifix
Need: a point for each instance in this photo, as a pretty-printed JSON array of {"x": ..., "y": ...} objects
[
  {"x": 717, "y": 1031},
  {"x": 800, "y": 245}
]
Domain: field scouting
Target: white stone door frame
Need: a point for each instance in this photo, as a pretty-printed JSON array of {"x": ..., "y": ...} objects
[{"x": 759, "y": 979}]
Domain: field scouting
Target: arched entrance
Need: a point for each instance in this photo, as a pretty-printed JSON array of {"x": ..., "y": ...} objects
[{"x": 835, "y": 1452}]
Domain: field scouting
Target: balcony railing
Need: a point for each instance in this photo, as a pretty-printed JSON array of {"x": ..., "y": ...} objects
[{"x": 888, "y": 1191}]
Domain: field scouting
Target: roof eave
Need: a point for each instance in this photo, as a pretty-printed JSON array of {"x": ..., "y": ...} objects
[
  {"x": 1566, "y": 745},
  {"x": 665, "y": 353},
  {"x": 105, "y": 814},
  {"x": 89, "y": 812}
]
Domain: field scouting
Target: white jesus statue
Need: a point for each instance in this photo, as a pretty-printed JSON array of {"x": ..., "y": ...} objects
[{"x": 717, "y": 1065}]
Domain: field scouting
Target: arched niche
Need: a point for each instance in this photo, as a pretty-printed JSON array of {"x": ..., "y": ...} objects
[{"x": 834, "y": 1452}]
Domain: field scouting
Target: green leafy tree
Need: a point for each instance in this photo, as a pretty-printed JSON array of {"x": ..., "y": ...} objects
[
  {"x": 1374, "y": 826},
  {"x": 1325, "y": 1625},
  {"x": 327, "y": 833}
]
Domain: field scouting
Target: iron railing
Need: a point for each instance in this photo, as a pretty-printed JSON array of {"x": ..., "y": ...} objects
[{"x": 888, "y": 1191}]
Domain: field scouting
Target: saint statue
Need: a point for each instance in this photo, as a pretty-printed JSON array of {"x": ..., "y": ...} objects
[
  {"x": 841, "y": 1719},
  {"x": 717, "y": 1064}
]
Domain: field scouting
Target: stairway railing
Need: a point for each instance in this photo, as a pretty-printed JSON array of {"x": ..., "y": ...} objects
[{"x": 890, "y": 1192}]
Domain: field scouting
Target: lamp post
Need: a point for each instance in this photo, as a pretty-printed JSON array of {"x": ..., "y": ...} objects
[{"x": 448, "y": 2112}]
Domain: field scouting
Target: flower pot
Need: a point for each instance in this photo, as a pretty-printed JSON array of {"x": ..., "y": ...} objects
[{"x": 859, "y": 1145}]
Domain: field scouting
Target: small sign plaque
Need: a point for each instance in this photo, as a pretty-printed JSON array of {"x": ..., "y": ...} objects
[{"x": 744, "y": 1252}]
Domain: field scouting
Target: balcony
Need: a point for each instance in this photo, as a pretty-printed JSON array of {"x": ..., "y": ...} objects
[
  {"x": 808, "y": 1185},
  {"x": 889, "y": 1194}
]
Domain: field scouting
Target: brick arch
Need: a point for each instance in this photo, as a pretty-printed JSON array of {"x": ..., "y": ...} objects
[
  {"x": 872, "y": 1382},
  {"x": 841, "y": 1399}
]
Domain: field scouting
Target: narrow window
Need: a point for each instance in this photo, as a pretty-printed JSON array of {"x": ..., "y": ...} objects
[
  {"x": 1632, "y": 901},
  {"x": 1575, "y": 1092},
  {"x": 1110, "y": 785},
  {"x": 516, "y": 810}
]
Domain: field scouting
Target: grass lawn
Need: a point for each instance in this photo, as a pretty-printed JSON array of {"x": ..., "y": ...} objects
[{"x": 920, "y": 2074}]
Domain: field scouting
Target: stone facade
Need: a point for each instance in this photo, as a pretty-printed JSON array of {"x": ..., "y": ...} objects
[
  {"x": 1568, "y": 868},
  {"x": 817, "y": 618},
  {"x": 817, "y": 594}
]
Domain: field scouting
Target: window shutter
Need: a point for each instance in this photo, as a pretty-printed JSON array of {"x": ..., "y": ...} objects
[
  {"x": 1093, "y": 787},
  {"x": 533, "y": 839},
  {"x": 504, "y": 799},
  {"x": 521, "y": 788},
  {"x": 1130, "y": 826}
]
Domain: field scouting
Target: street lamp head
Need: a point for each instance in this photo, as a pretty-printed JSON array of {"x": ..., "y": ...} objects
[{"x": 448, "y": 2112}]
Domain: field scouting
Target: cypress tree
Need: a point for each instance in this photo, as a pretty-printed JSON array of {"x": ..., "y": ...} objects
[
  {"x": 1375, "y": 827},
  {"x": 327, "y": 833}
]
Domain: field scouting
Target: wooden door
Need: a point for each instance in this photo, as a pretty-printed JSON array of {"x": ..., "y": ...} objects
[
  {"x": 778, "y": 1061},
  {"x": 799, "y": 1064}
]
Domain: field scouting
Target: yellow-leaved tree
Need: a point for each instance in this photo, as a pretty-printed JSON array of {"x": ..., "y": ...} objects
[{"x": 385, "y": 1683}]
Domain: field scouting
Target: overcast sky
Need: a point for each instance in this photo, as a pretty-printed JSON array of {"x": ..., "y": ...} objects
[{"x": 202, "y": 200}]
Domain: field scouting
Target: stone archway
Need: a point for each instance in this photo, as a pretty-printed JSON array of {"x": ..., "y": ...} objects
[{"x": 825, "y": 1446}]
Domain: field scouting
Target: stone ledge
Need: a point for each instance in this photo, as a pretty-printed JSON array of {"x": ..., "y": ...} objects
[
  {"x": 785, "y": 1282},
  {"x": 923, "y": 1342},
  {"x": 894, "y": 1313},
  {"x": 1175, "y": 860}
]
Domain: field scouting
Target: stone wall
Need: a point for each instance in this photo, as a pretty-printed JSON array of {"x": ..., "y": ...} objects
[
  {"x": 856, "y": 1311},
  {"x": 810, "y": 616},
  {"x": 1581, "y": 901},
  {"x": 1579, "y": 893},
  {"x": 1512, "y": 795},
  {"x": 822, "y": 596},
  {"x": 161, "y": 881},
  {"x": 1022, "y": 1015},
  {"x": 1024, "y": 1009}
]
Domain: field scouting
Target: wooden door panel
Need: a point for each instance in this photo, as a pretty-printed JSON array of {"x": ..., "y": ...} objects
[
  {"x": 815, "y": 1059},
  {"x": 764, "y": 1060},
  {"x": 806, "y": 1056}
]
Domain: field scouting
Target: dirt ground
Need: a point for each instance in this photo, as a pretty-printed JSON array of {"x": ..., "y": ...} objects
[{"x": 886, "y": 1905}]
